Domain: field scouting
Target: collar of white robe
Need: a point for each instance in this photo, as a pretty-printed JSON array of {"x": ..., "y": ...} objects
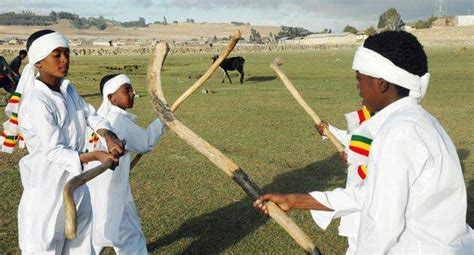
[
  {"x": 373, "y": 64},
  {"x": 110, "y": 87}
]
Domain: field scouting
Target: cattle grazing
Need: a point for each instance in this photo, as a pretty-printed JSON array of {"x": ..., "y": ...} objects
[{"x": 231, "y": 64}]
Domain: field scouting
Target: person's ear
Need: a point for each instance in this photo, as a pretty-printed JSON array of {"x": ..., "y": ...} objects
[
  {"x": 111, "y": 98},
  {"x": 39, "y": 65},
  {"x": 383, "y": 85}
]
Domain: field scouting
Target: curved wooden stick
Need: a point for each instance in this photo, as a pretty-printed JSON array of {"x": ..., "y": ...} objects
[
  {"x": 235, "y": 38},
  {"x": 277, "y": 62},
  {"x": 213, "y": 154},
  {"x": 135, "y": 160},
  {"x": 69, "y": 188}
]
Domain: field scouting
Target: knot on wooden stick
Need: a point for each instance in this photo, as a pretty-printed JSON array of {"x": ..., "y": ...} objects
[{"x": 278, "y": 61}]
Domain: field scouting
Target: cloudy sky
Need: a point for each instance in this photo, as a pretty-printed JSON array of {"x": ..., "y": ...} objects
[{"x": 314, "y": 15}]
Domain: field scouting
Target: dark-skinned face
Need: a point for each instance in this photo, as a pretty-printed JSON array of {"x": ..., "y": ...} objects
[
  {"x": 371, "y": 91},
  {"x": 56, "y": 64},
  {"x": 124, "y": 97}
]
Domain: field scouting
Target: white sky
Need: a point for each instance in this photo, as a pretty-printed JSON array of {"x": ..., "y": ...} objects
[{"x": 314, "y": 15}]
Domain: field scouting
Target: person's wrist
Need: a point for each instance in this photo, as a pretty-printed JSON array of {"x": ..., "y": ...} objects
[{"x": 290, "y": 201}]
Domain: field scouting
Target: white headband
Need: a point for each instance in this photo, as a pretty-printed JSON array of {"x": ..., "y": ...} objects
[
  {"x": 373, "y": 64},
  {"x": 110, "y": 87},
  {"x": 39, "y": 49},
  {"x": 44, "y": 45}
]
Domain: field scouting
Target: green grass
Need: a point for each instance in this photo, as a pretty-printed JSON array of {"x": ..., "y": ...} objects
[{"x": 187, "y": 205}]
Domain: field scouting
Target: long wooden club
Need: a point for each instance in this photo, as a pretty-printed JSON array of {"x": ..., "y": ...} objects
[
  {"x": 225, "y": 53},
  {"x": 70, "y": 187},
  {"x": 213, "y": 154},
  {"x": 274, "y": 65}
]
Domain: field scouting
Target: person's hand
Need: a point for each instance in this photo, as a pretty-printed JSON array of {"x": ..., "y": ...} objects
[
  {"x": 321, "y": 127},
  {"x": 103, "y": 156},
  {"x": 282, "y": 200},
  {"x": 343, "y": 157},
  {"x": 115, "y": 145}
]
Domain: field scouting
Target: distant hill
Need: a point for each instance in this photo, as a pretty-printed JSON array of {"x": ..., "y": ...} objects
[
  {"x": 172, "y": 31},
  {"x": 21, "y": 25}
]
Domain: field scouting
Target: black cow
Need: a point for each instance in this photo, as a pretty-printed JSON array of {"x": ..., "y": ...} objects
[{"x": 231, "y": 64}]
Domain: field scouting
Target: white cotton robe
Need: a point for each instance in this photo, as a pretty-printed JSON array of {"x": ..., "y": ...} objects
[
  {"x": 111, "y": 195},
  {"x": 413, "y": 200},
  {"x": 53, "y": 125}
]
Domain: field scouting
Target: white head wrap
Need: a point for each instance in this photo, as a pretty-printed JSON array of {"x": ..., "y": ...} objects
[
  {"x": 373, "y": 64},
  {"x": 110, "y": 87},
  {"x": 39, "y": 49}
]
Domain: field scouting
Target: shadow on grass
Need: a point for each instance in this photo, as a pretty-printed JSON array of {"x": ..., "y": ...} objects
[
  {"x": 215, "y": 231},
  {"x": 256, "y": 79},
  {"x": 470, "y": 203},
  {"x": 463, "y": 154}
]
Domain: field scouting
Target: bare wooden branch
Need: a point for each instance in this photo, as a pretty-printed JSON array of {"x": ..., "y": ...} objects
[
  {"x": 213, "y": 154},
  {"x": 235, "y": 38},
  {"x": 277, "y": 62},
  {"x": 69, "y": 204}
]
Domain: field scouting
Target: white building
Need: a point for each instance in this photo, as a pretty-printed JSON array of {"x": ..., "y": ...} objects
[
  {"x": 102, "y": 43},
  {"x": 361, "y": 36},
  {"x": 465, "y": 20},
  {"x": 333, "y": 38}
]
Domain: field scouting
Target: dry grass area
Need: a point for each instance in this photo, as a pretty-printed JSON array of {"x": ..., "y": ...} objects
[
  {"x": 446, "y": 36},
  {"x": 154, "y": 31}
]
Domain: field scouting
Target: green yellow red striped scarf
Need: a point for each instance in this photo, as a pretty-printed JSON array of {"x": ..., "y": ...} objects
[
  {"x": 361, "y": 140},
  {"x": 11, "y": 135}
]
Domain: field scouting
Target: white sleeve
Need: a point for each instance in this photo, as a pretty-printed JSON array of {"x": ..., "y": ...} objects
[
  {"x": 341, "y": 201},
  {"x": 138, "y": 139},
  {"x": 342, "y": 135},
  {"x": 388, "y": 185},
  {"x": 53, "y": 141}
]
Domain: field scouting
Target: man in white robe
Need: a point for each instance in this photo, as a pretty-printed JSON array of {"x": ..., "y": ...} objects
[{"x": 413, "y": 200}]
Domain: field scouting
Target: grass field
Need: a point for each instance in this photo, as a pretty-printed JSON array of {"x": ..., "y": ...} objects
[{"x": 187, "y": 205}]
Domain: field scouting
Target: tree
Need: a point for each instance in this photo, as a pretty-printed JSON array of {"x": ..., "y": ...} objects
[
  {"x": 421, "y": 24},
  {"x": 292, "y": 32},
  {"x": 350, "y": 29},
  {"x": 325, "y": 31},
  {"x": 389, "y": 20},
  {"x": 255, "y": 36},
  {"x": 54, "y": 15},
  {"x": 370, "y": 31},
  {"x": 165, "y": 22}
]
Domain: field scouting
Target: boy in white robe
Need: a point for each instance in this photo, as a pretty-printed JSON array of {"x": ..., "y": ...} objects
[
  {"x": 413, "y": 200},
  {"x": 52, "y": 118},
  {"x": 115, "y": 218}
]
